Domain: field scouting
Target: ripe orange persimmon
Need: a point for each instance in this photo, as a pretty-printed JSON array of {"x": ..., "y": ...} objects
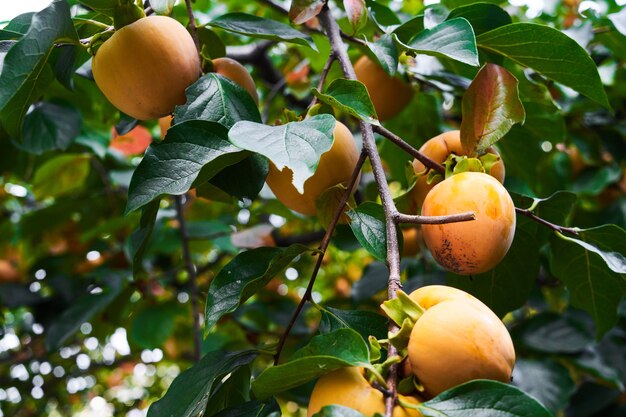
[
  {"x": 456, "y": 340},
  {"x": 145, "y": 67},
  {"x": 411, "y": 239},
  {"x": 348, "y": 387},
  {"x": 134, "y": 142},
  {"x": 475, "y": 246},
  {"x": 389, "y": 94},
  {"x": 335, "y": 167},
  {"x": 438, "y": 149},
  {"x": 233, "y": 70}
]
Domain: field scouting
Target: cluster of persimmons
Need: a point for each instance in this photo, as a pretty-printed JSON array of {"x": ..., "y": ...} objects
[{"x": 144, "y": 69}]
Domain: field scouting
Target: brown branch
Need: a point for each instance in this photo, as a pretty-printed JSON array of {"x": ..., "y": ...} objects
[
  {"x": 398, "y": 141},
  {"x": 323, "y": 75},
  {"x": 192, "y": 25},
  {"x": 452, "y": 218},
  {"x": 322, "y": 248},
  {"x": 552, "y": 226}
]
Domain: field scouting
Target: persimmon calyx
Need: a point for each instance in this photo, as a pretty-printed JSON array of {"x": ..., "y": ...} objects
[
  {"x": 402, "y": 307},
  {"x": 127, "y": 13},
  {"x": 400, "y": 339}
]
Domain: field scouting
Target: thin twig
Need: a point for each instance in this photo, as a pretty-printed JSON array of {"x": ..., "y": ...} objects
[
  {"x": 191, "y": 272},
  {"x": 276, "y": 88},
  {"x": 398, "y": 141},
  {"x": 452, "y": 218},
  {"x": 322, "y": 248},
  {"x": 555, "y": 227},
  {"x": 323, "y": 75},
  {"x": 192, "y": 25}
]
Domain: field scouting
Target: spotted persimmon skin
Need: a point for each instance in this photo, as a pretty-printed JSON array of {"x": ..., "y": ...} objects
[
  {"x": 233, "y": 70},
  {"x": 390, "y": 95},
  {"x": 145, "y": 67},
  {"x": 456, "y": 340},
  {"x": 348, "y": 387},
  {"x": 335, "y": 167},
  {"x": 438, "y": 149},
  {"x": 476, "y": 246}
]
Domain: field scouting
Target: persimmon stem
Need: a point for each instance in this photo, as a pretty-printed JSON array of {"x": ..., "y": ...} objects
[
  {"x": 555, "y": 227},
  {"x": 323, "y": 75},
  {"x": 322, "y": 248},
  {"x": 416, "y": 219},
  {"x": 191, "y": 272}
]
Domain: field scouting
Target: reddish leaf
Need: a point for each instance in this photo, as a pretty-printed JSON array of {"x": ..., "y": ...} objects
[
  {"x": 491, "y": 106},
  {"x": 134, "y": 142},
  {"x": 303, "y": 10},
  {"x": 357, "y": 13}
]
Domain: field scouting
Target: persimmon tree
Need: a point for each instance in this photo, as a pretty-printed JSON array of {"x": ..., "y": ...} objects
[{"x": 270, "y": 229}]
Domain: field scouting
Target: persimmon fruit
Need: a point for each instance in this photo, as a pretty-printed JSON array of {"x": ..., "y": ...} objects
[
  {"x": 348, "y": 387},
  {"x": 236, "y": 72},
  {"x": 389, "y": 95},
  {"x": 475, "y": 246},
  {"x": 335, "y": 167},
  {"x": 144, "y": 68},
  {"x": 411, "y": 238},
  {"x": 438, "y": 149},
  {"x": 132, "y": 143},
  {"x": 456, "y": 340}
]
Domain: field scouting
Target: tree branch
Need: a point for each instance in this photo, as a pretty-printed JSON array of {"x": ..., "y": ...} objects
[
  {"x": 453, "y": 218},
  {"x": 398, "y": 141},
  {"x": 322, "y": 247},
  {"x": 323, "y": 75},
  {"x": 555, "y": 227}
]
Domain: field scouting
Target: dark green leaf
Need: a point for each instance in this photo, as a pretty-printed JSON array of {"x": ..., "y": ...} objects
[
  {"x": 508, "y": 285},
  {"x": 50, "y": 126},
  {"x": 25, "y": 71},
  {"x": 253, "y": 409},
  {"x": 245, "y": 179},
  {"x": 483, "y": 398},
  {"x": 373, "y": 281},
  {"x": 152, "y": 325},
  {"x": 243, "y": 276},
  {"x": 296, "y": 145},
  {"x": 107, "y": 6},
  {"x": 303, "y": 10},
  {"x": 554, "y": 209},
  {"x": 593, "y": 286},
  {"x": 172, "y": 166},
  {"x": 382, "y": 15},
  {"x": 211, "y": 44},
  {"x": 216, "y": 98},
  {"x": 546, "y": 380},
  {"x": 385, "y": 51},
  {"x": 549, "y": 52},
  {"x": 482, "y": 16},
  {"x": 141, "y": 236},
  {"x": 349, "y": 96},
  {"x": 61, "y": 175},
  {"x": 608, "y": 242},
  {"x": 409, "y": 29},
  {"x": 368, "y": 225},
  {"x": 324, "y": 354},
  {"x": 337, "y": 411},
  {"x": 367, "y": 323},
  {"x": 258, "y": 27},
  {"x": 451, "y": 39},
  {"x": 491, "y": 105},
  {"x": 552, "y": 333},
  {"x": 190, "y": 391},
  {"x": 82, "y": 310},
  {"x": 230, "y": 393},
  {"x": 593, "y": 363}
]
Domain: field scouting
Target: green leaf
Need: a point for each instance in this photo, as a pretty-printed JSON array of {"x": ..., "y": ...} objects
[
  {"x": 554, "y": 333},
  {"x": 258, "y": 27},
  {"x": 482, "y": 16},
  {"x": 619, "y": 21},
  {"x": 546, "y": 380},
  {"x": 141, "y": 236},
  {"x": 108, "y": 6},
  {"x": 367, "y": 323},
  {"x": 302, "y": 10},
  {"x": 82, "y": 310},
  {"x": 549, "y": 52},
  {"x": 211, "y": 44},
  {"x": 296, "y": 145},
  {"x": 25, "y": 71},
  {"x": 323, "y": 354},
  {"x": 245, "y": 179},
  {"x": 402, "y": 308},
  {"x": 607, "y": 241},
  {"x": 349, "y": 96},
  {"x": 451, "y": 39},
  {"x": 368, "y": 225},
  {"x": 216, "y": 98},
  {"x": 243, "y": 276},
  {"x": 507, "y": 286},
  {"x": 191, "y": 150},
  {"x": 190, "y": 391},
  {"x": 252, "y": 409},
  {"x": 337, "y": 411},
  {"x": 232, "y": 392},
  {"x": 385, "y": 52},
  {"x": 593, "y": 286},
  {"x": 491, "y": 105},
  {"x": 50, "y": 126},
  {"x": 482, "y": 398},
  {"x": 61, "y": 175},
  {"x": 152, "y": 325},
  {"x": 382, "y": 15},
  {"x": 555, "y": 209},
  {"x": 162, "y": 6}
]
